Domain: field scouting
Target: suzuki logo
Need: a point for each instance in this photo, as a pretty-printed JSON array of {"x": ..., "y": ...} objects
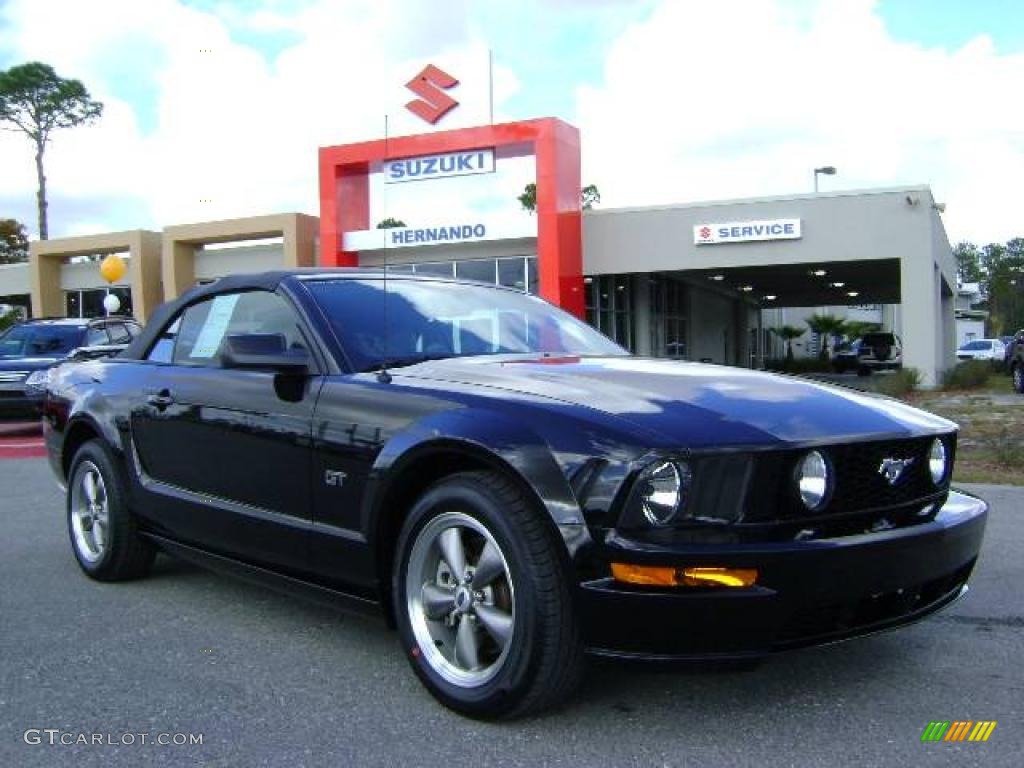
[
  {"x": 430, "y": 85},
  {"x": 892, "y": 469}
]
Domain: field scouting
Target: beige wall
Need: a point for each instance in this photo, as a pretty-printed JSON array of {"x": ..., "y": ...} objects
[
  {"x": 182, "y": 243},
  {"x": 161, "y": 266},
  {"x": 47, "y": 257}
]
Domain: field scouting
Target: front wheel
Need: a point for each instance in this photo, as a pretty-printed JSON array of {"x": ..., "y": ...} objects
[{"x": 482, "y": 600}]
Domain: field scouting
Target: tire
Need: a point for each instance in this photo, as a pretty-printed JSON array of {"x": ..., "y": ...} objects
[
  {"x": 509, "y": 649},
  {"x": 1018, "y": 378},
  {"x": 100, "y": 523}
]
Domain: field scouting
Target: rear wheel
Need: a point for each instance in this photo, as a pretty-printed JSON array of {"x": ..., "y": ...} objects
[
  {"x": 102, "y": 529},
  {"x": 1018, "y": 377},
  {"x": 482, "y": 600}
]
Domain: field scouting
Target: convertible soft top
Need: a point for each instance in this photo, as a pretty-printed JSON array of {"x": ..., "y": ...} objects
[{"x": 258, "y": 281}]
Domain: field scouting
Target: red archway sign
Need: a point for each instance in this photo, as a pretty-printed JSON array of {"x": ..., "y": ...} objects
[{"x": 345, "y": 193}]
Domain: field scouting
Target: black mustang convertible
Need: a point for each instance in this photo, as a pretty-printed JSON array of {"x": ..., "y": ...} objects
[{"x": 508, "y": 486}]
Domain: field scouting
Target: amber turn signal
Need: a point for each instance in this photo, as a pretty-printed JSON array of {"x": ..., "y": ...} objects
[{"x": 666, "y": 576}]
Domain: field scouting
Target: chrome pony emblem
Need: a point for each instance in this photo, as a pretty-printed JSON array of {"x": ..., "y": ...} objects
[{"x": 892, "y": 469}]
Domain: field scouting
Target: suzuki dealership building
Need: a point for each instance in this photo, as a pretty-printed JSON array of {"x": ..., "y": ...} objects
[{"x": 696, "y": 281}]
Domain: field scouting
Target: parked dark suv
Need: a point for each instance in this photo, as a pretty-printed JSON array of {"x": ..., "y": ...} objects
[
  {"x": 881, "y": 351},
  {"x": 29, "y": 350},
  {"x": 1015, "y": 360}
]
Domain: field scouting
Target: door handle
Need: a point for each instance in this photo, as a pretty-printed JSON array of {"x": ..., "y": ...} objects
[{"x": 160, "y": 398}]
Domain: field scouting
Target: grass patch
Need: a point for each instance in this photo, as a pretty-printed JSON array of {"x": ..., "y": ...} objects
[{"x": 990, "y": 448}]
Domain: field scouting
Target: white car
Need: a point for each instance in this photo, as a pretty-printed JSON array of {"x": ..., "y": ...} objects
[{"x": 982, "y": 349}]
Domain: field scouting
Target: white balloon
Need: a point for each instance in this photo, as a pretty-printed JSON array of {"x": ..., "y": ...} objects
[{"x": 111, "y": 303}]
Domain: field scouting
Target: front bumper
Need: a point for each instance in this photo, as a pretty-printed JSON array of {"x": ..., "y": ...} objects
[
  {"x": 808, "y": 592},
  {"x": 16, "y": 403}
]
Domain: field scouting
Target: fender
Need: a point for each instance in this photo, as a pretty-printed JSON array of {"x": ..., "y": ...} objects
[{"x": 483, "y": 434}]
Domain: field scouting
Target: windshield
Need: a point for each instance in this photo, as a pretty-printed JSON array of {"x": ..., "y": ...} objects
[
  {"x": 41, "y": 340},
  {"x": 429, "y": 320}
]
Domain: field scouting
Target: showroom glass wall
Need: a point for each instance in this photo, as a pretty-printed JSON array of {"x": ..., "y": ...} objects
[
  {"x": 629, "y": 308},
  {"x": 518, "y": 272},
  {"x": 89, "y": 302}
]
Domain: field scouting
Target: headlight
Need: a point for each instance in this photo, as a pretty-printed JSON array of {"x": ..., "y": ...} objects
[
  {"x": 37, "y": 380},
  {"x": 813, "y": 480},
  {"x": 938, "y": 461},
  {"x": 662, "y": 488}
]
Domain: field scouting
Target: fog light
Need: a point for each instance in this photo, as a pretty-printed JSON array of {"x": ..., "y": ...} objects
[{"x": 667, "y": 576}]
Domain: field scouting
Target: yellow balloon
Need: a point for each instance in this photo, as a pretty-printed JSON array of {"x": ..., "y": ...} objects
[{"x": 113, "y": 268}]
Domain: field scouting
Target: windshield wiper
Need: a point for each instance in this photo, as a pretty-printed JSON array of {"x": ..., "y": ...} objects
[{"x": 402, "y": 362}]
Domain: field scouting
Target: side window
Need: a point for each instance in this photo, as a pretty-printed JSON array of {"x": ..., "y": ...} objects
[
  {"x": 205, "y": 326},
  {"x": 118, "y": 333},
  {"x": 163, "y": 350},
  {"x": 96, "y": 336}
]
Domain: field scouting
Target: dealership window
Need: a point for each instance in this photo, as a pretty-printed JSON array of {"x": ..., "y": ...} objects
[
  {"x": 609, "y": 304},
  {"x": 518, "y": 272},
  {"x": 669, "y": 318},
  {"x": 89, "y": 302}
]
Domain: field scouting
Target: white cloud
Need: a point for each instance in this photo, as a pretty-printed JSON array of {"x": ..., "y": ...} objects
[
  {"x": 742, "y": 98},
  {"x": 697, "y": 101}
]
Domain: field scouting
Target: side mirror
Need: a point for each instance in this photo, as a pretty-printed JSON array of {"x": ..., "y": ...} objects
[{"x": 264, "y": 351}]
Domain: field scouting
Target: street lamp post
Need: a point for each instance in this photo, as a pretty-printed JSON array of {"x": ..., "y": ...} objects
[{"x": 828, "y": 170}]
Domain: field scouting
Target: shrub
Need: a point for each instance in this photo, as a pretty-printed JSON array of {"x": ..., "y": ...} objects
[
  {"x": 969, "y": 374},
  {"x": 900, "y": 382},
  {"x": 7, "y": 319}
]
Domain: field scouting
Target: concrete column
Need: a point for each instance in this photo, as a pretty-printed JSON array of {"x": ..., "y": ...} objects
[
  {"x": 641, "y": 314},
  {"x": 300, "y": 236},
  {"x": 44, "y": 269},
  {"x": 946, "y": 340},
  {"x": 920, "y": 319},
  {"x": 179, "y": 267}
]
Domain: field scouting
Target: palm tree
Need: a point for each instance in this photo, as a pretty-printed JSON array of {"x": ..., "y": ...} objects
[
  {"x": 787, "y": 333},
  {"x": 826, "y": 326},
  {"x": 854, "y": 329}
]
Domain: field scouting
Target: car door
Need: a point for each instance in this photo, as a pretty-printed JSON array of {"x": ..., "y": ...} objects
[{"x": 225, "y": 452}]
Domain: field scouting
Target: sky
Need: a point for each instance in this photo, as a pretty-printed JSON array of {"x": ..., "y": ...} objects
[{"x": 215, "y": 109}]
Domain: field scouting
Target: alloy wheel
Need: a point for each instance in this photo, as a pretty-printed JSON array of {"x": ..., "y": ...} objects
[
  {"x": 90, "y": 518},
  {"x": 460, "y": 599}
]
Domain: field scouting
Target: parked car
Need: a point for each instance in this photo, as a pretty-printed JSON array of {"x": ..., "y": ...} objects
[
  {"x": 846, "y": 356},
  {"x": 508, "y": 486},
  {"x": 1015, "y": 361},
  {"x": 982, "y": 349},
  {"x": 879, "y": 351},
  {"x": 29, "y": 350}
]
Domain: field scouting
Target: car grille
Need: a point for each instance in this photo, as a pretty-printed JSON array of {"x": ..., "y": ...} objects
[
  {"x": 12, "y": 377},
  {"x": 859, "y": 484}
]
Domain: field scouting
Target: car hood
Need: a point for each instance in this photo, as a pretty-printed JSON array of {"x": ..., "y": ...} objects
[{"x": 694, "y": 404}]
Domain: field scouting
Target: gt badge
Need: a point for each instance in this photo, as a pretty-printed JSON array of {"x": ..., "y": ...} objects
[{"x": 334, "y": 478}]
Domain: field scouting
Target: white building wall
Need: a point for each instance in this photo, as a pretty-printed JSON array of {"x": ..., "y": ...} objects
[{"x": 711, "y": 327}]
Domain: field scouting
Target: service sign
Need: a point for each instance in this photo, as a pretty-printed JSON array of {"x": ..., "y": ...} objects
[
  {"x": 439, "y": 166},
  {"x": 746, "y": 231}
]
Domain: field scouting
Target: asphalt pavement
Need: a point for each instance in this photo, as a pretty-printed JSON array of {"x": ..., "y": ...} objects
[{"x": 267, "y": 680}]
